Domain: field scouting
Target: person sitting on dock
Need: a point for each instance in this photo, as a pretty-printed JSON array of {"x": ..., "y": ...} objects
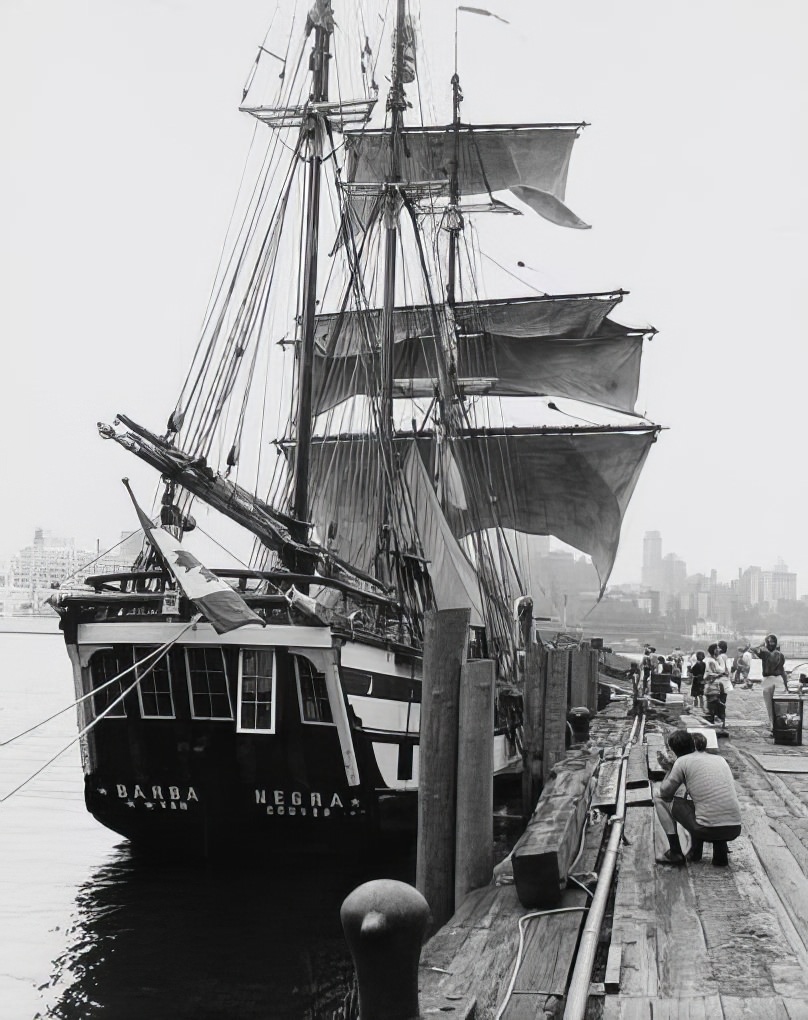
[{"x": 711, "y": 815}]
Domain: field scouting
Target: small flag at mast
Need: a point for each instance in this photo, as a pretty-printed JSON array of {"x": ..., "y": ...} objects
[
  {"x": 480, "y": 10},
  {"x": 224, "y": 608}
]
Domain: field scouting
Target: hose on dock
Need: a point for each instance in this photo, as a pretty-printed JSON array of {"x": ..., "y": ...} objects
[{"x": 578, "y": 993}]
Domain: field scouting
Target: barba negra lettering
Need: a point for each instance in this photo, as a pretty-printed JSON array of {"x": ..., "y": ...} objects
[{"x": 156, "y": 792}]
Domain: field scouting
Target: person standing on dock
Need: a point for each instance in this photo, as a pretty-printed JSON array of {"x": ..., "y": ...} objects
[
  {"x": 648, "y": 666},
  {"x": 715, "y": 692},
  {"x": 711, "y": 815},
  {"x": 742, "y": 667},
  {"x": 697, "y": 681},
  {"x": 774, "y": 666}
]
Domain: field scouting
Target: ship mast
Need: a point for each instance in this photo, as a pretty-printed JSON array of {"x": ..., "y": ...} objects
[
  {"x": 300, "y": 485},
  {"x": 397, "y": 104},
  {"x": 454, "y": 218}
]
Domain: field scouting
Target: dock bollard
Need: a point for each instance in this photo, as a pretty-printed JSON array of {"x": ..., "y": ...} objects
[{"x": 384, "y": 923}]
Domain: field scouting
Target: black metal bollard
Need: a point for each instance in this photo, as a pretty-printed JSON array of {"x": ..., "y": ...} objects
[
  {"x": 384, "y": 923},
  {"x": 578, "y": 719}
]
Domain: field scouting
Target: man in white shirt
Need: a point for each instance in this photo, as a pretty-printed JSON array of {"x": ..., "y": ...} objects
[
  {"x": 711, "y": 815},
  {"x": 743, "y": 665}
]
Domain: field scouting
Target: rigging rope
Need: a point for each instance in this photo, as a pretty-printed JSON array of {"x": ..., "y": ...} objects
[{"x": 100, "y": 716}]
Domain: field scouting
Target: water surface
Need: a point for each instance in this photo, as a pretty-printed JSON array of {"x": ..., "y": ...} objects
[{"x": 88, "y": 930}]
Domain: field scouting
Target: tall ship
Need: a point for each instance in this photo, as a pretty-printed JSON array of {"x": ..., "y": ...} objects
[{"x": 374, "y": 423}]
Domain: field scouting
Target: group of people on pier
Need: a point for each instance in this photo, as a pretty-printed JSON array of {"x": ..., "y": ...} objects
[{"x": 713, "y": 676}]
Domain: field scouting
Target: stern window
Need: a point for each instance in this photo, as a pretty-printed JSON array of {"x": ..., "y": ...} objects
[
  {"x": 314, "y": 706},
  {"x": 154, "y": 689},
  {"x": 256, "y": 692},
  {"x": 104, "y": 666},
  {"x": 207, "y": 684}
]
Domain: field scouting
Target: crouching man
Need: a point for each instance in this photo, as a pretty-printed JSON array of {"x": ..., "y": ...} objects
[{"x": 712, "y": 813}]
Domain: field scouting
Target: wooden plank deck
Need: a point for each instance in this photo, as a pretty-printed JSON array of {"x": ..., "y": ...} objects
[
  {"x": 691, "y": 942},
  {"x": 719, "y": 943}
]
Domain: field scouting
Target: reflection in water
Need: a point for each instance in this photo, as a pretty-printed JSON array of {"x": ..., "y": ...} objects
[{"x": 237, "y": 942}]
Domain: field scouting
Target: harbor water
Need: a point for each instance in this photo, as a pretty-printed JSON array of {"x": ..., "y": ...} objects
[{"x": 89, "y": 930}]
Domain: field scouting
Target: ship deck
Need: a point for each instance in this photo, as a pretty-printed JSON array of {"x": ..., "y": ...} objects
[{"x": 684, "y": 943}]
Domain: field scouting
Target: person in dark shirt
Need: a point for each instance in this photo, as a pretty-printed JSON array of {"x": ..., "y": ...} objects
[
  {"x": 773, "y": 662},
  {"x": 697, "y": 681}
]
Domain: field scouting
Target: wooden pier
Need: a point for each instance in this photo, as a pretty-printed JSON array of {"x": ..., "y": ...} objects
[{"x": 689, "y": 942}]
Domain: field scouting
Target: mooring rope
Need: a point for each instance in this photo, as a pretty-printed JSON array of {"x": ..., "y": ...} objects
[
  {"x": 102, "y": 714},
  {"x": 95, "y": 690}
]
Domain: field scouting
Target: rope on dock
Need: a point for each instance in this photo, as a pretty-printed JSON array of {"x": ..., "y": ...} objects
[{"x": 522, "y": 920}]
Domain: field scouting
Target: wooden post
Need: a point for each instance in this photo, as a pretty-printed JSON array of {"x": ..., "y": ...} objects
[
  {"x": 579, "y": 674},
  {"x": 533, "y": 725},
  {"x": 474, "y": 852},
  {"x": 445, "y": 642},
  {"x": 384, "y": 923},
  {"x": 592, "y": 681},
  {"x": 555, "y": 710}
]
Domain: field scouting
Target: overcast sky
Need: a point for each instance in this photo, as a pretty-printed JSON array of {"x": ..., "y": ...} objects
[{"x": 122, "y": 153}]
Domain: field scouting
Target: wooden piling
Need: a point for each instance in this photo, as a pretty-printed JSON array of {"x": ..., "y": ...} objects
[
  {"x": 555, "y": 709},
  {"x": 592, "y": 680},
  {"x": 474, "y": 851},
  {"x": 533, "y": 725},
  {"x": 445, "y": 643},
  {"x": 579, "y": 676}
]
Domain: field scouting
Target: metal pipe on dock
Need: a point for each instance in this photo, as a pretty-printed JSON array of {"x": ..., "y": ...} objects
[{"x": 578, "y": 993}]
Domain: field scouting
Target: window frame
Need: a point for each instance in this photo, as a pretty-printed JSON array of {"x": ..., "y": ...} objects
[
  {"x": 305, "y": 721},
  {"x": 120, "y": 709},
  {"x": 165, "y": 658},
  {"x": 188, "y": 672},
  {"x": 273, "y": 692}
]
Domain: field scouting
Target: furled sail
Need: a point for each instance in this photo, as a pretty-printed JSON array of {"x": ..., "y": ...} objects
[
  {"x": 564, "y": 347},
  {"x": 529, "y": 160},
  {"x": 574, "y": 484},
  {"x": 454, "y": 581}
]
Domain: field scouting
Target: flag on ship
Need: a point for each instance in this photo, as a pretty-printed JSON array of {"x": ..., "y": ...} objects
[{"x": 221, "y": 606}]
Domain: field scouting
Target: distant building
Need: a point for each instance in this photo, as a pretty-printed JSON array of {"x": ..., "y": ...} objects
[
  {"x": 652, "y": 560},
  {"x": 758, "y": 587},
  {"x": 38, "y": 569}
]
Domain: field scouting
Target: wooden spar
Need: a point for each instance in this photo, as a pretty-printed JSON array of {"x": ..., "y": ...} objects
[
  {"x": 300, "y": 497},
  {"x": 474, "y": 851}
]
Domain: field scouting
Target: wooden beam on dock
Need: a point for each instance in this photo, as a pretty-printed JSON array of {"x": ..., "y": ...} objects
[
  {"x": 637, "y": 767},
  {"x": 445, "y": 644},
  {"x": 604, "y": 797},
  {"x": 546, "y": 850}
]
